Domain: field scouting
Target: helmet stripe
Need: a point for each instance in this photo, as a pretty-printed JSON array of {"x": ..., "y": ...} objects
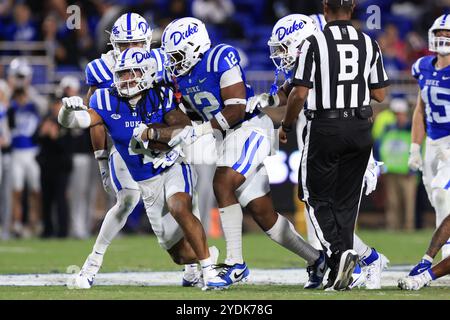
[
  {"x": 124, "y": 54},
  {"x": 444, "y": 20},
  {"x": 129, "y": 26}
]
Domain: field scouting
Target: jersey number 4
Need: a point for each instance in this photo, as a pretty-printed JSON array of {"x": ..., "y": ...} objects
[{"x": 136, "y": 148}]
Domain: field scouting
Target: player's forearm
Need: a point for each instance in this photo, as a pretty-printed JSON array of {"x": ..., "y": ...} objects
[
  {"x": 161, "y": 134},
  {"x": 229, "y": 117},
  {"x": 295, "y": 104},
  {"x": 418, "y": 127},
  {"x": 98, "y": 137},
  {"x": 440, "y": 237}
]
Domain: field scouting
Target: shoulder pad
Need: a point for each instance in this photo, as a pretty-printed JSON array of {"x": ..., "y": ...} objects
[
  {"x": 424, "y": 63},
  {"x": 101, "y": 100},
  {"x": 97, "y": 72},
  {"x": 222, "y": 58}
]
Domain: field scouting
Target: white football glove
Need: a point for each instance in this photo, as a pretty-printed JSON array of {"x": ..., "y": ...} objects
[
  {"x": 166, "y": 159},
  {"x": 190, "y": 134},
  {"x": 261, "y": 101},
  {"x": 371, "y": 175},
  {"x": 415, "y": 158},
  {"x": 73, "y": 103},
  {"x": 137, "y": 134}
]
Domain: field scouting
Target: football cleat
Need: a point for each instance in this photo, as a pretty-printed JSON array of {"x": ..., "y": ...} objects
[
  {"x": 229, "y": 275},
  {"x": 358, "y": 277},
  {"x": 421, "y": 267},
  {"x": 316, "y": 272},
  {"x": 414, "y": 282},
  {"x": 191, "y": 277},
  {"x": 347, "y": 264},
  {"x": 373, "y": 271},
  {"x": 85, "y": 278}
]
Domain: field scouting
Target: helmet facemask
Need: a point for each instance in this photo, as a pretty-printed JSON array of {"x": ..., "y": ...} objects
[
  {"x": 439, "y": 43},
  {"x": 177, "y": 63},
  {"x": 130, "y": 81},
  {"x": 282, "y": 56}
]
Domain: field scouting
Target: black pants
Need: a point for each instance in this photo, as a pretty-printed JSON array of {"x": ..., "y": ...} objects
[
  {"x": 54, "y": 187},
  {"x": 331, "y": 174}
]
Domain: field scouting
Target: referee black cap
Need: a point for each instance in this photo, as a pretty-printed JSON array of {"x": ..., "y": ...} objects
[{"x": 339, "y": 3}]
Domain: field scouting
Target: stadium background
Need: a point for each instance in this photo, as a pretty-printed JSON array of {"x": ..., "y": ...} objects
[{"x": 37, "y": 30}]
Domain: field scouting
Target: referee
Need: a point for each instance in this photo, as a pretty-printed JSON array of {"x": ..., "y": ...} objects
[{"x": 338, "y": 72}]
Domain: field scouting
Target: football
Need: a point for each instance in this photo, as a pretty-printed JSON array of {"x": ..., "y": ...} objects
[{"x": 155, "y": 145}]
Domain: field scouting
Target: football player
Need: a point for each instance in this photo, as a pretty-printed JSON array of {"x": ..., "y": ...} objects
[
  {"x": 212, "y": 83},
  {"x": 137, "y": 101},
  {"x": 432, "y": 119},
  {"x": 287, "y": 36},
  {"x": 129, "y": 31}
]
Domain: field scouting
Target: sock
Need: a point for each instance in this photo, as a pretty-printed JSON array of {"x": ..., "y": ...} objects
[
  {"x": 283, "y": 233},
  {"x": 231, "y": 218},
  {"x": 116, "y": 218},
  {"x": 190, "y": 268},
  {"x": 362, "y": 249},
  {"x": 371, "y": 258},
  {"x": 427, "y": 258}
]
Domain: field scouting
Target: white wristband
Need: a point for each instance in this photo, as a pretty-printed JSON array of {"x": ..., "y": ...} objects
[
  {"x": 101, "y": 154},
  {"x": 235, "y": 101},
  {"x": 223, "y": 123}
]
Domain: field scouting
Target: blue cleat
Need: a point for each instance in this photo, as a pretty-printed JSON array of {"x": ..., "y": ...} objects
[
  {"x": 421, "y": 267},
  {"x": 316, "y": 272},
  {"x": 229, "y": 275}
]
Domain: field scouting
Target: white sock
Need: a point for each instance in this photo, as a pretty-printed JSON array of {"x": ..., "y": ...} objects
[
  {"x": 231, "y": 218},
  {"x": 427, "y": 258},
  {"x": 362, "y": 249},
  {"x": 190, "y": 268},
  {"x": 115, "y": 219},
  {"x": 283, "y": 233}
]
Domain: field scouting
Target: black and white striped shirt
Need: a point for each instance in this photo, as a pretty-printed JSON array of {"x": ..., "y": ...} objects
[{"x": 340, "y": 65}]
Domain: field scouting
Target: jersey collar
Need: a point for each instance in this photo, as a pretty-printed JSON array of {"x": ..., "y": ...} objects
[{"x": 339, "y": 23}]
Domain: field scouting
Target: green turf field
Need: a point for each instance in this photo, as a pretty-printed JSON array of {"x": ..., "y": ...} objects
[{"x": 142, "y": 253}]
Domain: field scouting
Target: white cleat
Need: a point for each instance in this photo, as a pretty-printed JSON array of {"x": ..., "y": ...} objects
[
  {"x": 373, "y": 272},
  {"x": 358, "y": 278},
  {"x": 414, "y": 282},
  {"x": 85, "y": 278}
]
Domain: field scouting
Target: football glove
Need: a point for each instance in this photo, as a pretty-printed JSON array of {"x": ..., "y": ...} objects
[
  {"x": 371, "y": 175},
  {"x": 166, "y": 159},
  {"x": 190, "y": 134},
  {"x": 261, "y": 101},
  {"x": 415, "y": 158},
  {"x": 73, "y": 103}
]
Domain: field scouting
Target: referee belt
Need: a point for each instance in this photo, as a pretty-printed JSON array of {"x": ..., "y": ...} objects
[{"x": 364, "y": 112}]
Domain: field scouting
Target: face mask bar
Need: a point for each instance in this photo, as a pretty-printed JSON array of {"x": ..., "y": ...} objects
[
  {"x": 123, "y": 86},
  {"x": 176, "y": 63},
  {"x": 440, "y": 45},
  {"x": 279, "y": 53}
]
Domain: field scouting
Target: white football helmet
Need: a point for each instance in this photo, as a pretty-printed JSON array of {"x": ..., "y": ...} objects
[
  {"x": 130, "y": 28},
  {"x": 135, "y": 71},
  {"x": 184, "y": 41},
  {"x": 440, "y": 45},
  {"x": 287, "y": 35}
]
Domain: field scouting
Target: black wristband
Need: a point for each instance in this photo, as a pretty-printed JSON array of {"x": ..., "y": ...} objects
[{"x": 285, "y": 128}]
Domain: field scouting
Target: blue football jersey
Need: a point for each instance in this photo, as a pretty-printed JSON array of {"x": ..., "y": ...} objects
[
  {"x": 120, "y": 120},
  {"x": 435, "y": 87},
  {"x": 201, "y": 86},
  {"x": 26, "y": 122},
  {"x": 99, "y": 72}
]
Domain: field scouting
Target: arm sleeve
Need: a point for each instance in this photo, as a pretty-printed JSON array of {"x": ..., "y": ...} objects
[
  {"x": 378, "y": 77},
  {"x": 305, "y": 66},
  {"x": 230, "y": 77}
]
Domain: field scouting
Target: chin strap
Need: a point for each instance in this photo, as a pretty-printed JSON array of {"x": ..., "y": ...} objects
[{"x": 274, "y": 86}]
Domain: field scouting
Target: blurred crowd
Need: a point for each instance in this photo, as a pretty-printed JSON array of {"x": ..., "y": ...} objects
[{"x": 49, "y": 179}]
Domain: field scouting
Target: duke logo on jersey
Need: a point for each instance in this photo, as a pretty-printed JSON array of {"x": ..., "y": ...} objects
[
  {"x": 435, "y": 89},
  {"x": 120, "y": 120}
]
